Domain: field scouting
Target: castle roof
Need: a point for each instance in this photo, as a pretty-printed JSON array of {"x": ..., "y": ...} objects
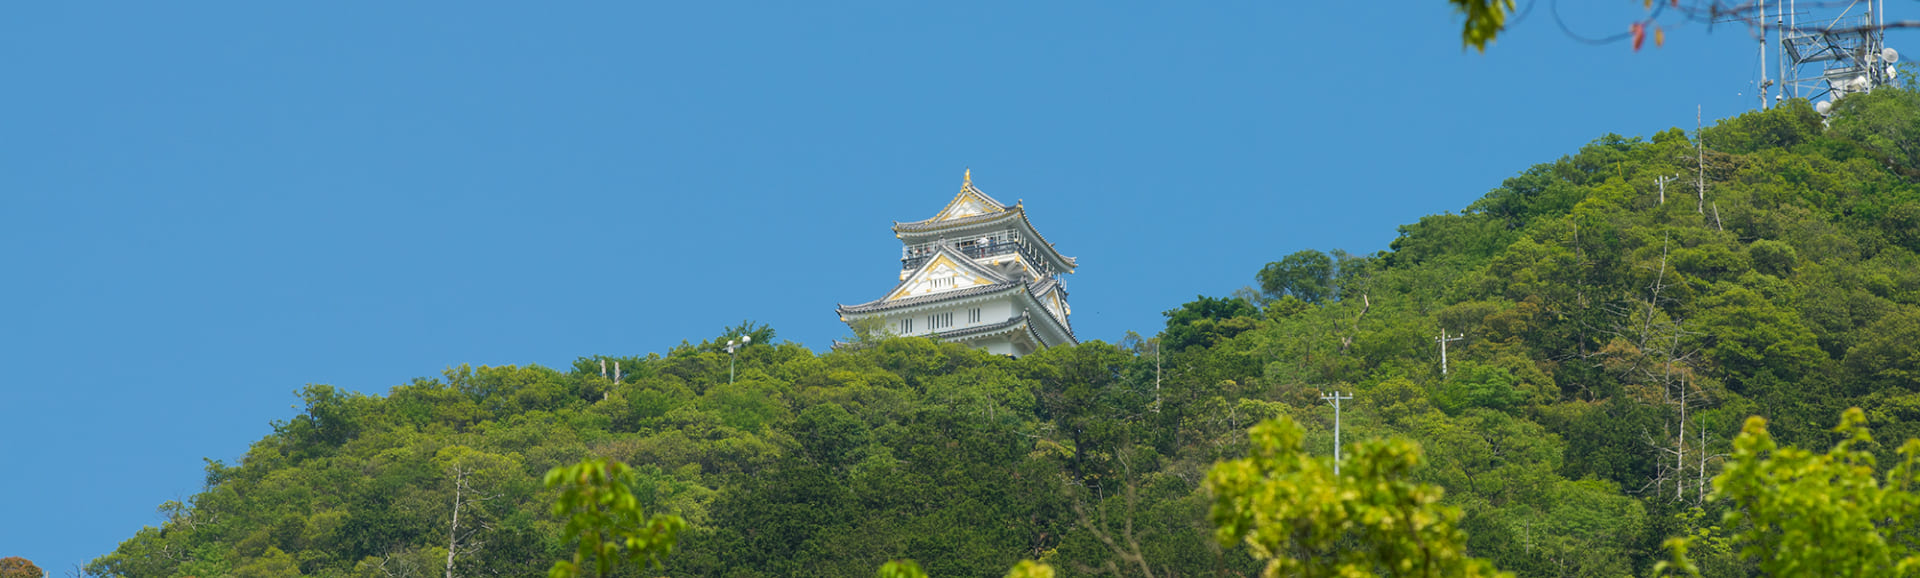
[
  {"x": 1039, "y": 291},
  {"x": 971, "y": 208}
]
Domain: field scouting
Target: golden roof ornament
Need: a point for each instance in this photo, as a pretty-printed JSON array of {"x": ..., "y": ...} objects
[{"x": 966, "y": 179}]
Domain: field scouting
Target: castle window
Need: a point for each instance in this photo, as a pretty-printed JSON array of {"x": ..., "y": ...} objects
[
  {"x": 940, "y": 320},
  {"x": 973, "y": 315},
  {"x": 906, "y": 326}
]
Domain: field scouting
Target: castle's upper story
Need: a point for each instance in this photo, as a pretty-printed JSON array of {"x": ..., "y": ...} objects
[{"x": 987, "y": 231}]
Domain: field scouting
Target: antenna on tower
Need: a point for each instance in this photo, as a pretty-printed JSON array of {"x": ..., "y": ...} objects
[{"x": 1840, "y": 53}]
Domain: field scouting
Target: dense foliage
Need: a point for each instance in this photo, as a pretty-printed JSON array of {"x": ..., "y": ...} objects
[
  {"x": 1616, "y": 331},
  {"x": 17, "y": 567}
]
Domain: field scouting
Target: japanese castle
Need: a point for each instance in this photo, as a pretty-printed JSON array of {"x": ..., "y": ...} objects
[{"x": 976, "y": 273}]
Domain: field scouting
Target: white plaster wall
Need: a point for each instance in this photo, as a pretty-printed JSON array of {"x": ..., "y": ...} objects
[
  {"x": 997, "y": 310},
  {"x": 893, "y": 325},
  {"x": 1003, "y": 346},
  {"x": 991, "y": 311}
]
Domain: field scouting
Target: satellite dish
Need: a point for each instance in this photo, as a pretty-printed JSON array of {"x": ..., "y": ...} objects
[
  {"x": 1823, "y": 107},
  {"x": 1890, "y": 55}
]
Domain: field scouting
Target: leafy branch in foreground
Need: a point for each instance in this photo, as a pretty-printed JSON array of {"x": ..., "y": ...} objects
[
  {"x": 1293, "y": 511},
  {"x": 1807, "y": 514},
  {"x": 911, "y": 569},
  {"x": 601, "y": 510}
]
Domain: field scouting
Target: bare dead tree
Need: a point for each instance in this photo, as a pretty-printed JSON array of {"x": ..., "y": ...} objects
[
  {"x": 1657, "y": 357},
  {"x": 186, "y": 516},
  {"x": 1346, "y": 341},
  {"x": 1155, "y": 342},
  {"x": 400, "y": 563},
  {"x": 1126, "y": 545},
  {"x": 463, "y": 542},
  {"x": 1700, "y": 150},
  {"x": 1700, "y": 482}
]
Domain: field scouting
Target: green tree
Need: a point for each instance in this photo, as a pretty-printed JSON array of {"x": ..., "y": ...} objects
[
  {"x": 1295, "y": 513},
  {"x": 911, "y": 569},
  {"x": 1307, "y": 275},
  {"x": 1886, "y": 122},
  {"x": 273, "y": 563},
  {"x": 1748, "y": 335},
  {"x": 901, "y": 569},
  {"x": 606, "y": 518},
  {"x": 1207, "y": 321},
  {"x": 1889, "y": 358},
  {"x": 17, "y": 567}
]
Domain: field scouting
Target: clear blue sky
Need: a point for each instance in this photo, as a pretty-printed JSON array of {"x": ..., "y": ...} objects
[{"x": 204, "y": 206}]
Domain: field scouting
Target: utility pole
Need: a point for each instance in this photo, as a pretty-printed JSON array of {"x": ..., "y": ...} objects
[
  {"x": 1443, "y": 339},
  {"x": 1663, "y": 186},
  {"x": 1336, "y": 398},
  {"x": 608, "y": 394}
]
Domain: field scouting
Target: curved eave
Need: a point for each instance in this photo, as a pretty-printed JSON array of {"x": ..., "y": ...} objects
[
  {"x": 1013, "y": 325},
  {"x": 1046, "y": 286},
  {"x": 1065, "y": 330},
  {"x": 1022, "y": 325},
  {"x": 884, "y": 305},
  {"x": 931, "y": 227},
  {"x": 936, "y": 224}
]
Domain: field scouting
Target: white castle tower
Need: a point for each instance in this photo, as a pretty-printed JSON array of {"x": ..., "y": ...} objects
[{"x": 976, "y": 273}]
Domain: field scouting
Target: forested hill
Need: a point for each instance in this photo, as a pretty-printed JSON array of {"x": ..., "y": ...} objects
[{"x": 1611, "y": 343}]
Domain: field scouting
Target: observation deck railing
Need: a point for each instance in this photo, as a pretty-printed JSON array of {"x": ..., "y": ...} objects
[{"x": 978, "y": 251}]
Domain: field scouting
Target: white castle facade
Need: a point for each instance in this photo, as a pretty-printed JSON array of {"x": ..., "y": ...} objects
[{"x": 976, "y": 273}]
